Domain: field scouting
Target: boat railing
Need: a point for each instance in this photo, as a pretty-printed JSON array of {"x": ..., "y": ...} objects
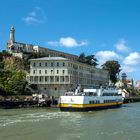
[{"x": 69, "y": 93}]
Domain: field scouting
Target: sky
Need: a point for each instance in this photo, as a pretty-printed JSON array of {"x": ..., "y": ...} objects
[{"x": 108, "y": 29}]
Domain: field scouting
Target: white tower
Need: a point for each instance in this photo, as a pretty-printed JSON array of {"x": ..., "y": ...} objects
[{"x": 12, "y": 35}]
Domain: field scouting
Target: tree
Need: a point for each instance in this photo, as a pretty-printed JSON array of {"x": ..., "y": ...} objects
[
  {"x": 18, "y": 82},
  {"x": 13, "y": 81},
  {"x": 90, "y": 59},
  {"x": 82, "y": 58},
  {"x": 113, "y": 67}
]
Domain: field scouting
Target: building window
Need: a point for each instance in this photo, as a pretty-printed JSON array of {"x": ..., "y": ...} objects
[
  {"x": 51, "y": 64},
  {"x": 63, "y": 71},
  {"x": 63, "y": 64},
  {"x": 33, "y": 71},
  {"x": 34, "y": 64},
  {"x": 57, "y": 79},
  {"x": 46, "y": 79},
  {"x": 40, "y": 64},
  {"x": 46, "y": 64},
  {"x": 39, "y": 71},
  {"x": 57, "y": 64},
  {"x": 45, "y": 71},
  {"x": 36, "y": 78},
  {"x": 51, "y": 79},
  {"x": 51, "y": 71},
  {"x": 57, "y": 71},
  {"x": 40, "y": 79},
  {"x": 31, "y": 78},
  {"x": 63, "y": 79}
]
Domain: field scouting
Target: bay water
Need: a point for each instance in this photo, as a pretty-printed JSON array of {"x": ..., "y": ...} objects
[{"x": 52, "y": 124}]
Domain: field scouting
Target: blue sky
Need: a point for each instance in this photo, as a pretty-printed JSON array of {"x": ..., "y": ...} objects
[{"x": 109, "y": 29}]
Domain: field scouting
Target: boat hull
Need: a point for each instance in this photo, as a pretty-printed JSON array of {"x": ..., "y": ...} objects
[{"x": 92, "y": 108}]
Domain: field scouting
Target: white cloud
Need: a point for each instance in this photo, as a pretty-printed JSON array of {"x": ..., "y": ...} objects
[
  {"x": 132, "y": 59},
  {"x": 121, "y": 46},
  {"x": 33, "y": 14},
  {"x": 68, "y": 42},
  {"x": 128, "y": 69},
  {"x": 34, "y": 17},
  {"x": 103, "y": 56},
  {"x": 131, "y": 62}
]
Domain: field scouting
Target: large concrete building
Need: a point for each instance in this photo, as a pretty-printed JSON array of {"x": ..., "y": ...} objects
[
  {"x": 18, "y": 48},
  {"x": 56, "y": 75}
]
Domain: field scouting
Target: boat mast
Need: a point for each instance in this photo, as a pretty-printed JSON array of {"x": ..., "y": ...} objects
[{"x": 77, "y": 89}]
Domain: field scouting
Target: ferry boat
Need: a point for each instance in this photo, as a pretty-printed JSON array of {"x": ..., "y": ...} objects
[{"x": 91, "y": 99}]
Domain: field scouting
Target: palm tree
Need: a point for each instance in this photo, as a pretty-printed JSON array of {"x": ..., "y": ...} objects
[
  {"x": 82, "y": 58},
  {"x": 91, "y": 60}
]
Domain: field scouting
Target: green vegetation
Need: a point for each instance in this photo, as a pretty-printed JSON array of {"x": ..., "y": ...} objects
[
  {"x": 13, "y": 73},
  {"x": 90, "y": 59},
  {"x": 13, "y": 82},
  {"x": 113, "y": 67}
]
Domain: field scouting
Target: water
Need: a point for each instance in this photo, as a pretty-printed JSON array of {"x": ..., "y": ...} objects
[{"x": 51, "y": 124}]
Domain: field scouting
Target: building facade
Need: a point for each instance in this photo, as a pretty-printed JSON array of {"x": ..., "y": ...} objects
[
  {"x": 56, "y": 75},
  {"x": 18, "y": 49}
]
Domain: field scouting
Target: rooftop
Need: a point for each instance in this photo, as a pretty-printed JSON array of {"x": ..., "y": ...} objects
[{"x": 49, "y": 58}]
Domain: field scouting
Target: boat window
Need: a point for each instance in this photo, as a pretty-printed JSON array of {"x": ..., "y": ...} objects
[
  {"x": 91, "y": 102},
  {"x": 110, "y": 94},
  {"x": 97, "y": 102},
  {"x": 91, "y": 94}
]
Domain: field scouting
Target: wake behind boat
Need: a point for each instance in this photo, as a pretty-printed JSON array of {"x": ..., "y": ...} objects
[{"x": 91, "y": 99}]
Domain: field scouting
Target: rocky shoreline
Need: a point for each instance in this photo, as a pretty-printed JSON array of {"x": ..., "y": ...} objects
[{"x": 10, "y": 102}]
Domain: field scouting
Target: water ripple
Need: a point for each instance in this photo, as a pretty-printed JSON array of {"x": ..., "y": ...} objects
[{"x": 31, "y": 117}]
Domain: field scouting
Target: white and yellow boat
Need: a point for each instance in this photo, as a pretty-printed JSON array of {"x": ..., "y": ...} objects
[{"x": 90, "y": 99}]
